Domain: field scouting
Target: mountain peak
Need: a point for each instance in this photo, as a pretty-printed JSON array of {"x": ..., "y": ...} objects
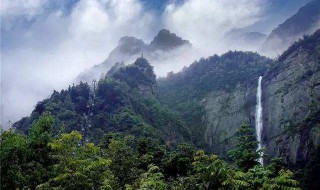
[{"x": 165, "y": 40}]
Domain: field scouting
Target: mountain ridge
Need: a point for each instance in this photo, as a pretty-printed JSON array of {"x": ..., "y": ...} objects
[
  {"x": 129, "y": 48},
  {"x": 305, "y": 22}
]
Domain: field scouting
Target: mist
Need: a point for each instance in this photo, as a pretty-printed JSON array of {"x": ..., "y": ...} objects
[
  {"x": 56, "y": 47},
  {"x": 46, "y": 45}
]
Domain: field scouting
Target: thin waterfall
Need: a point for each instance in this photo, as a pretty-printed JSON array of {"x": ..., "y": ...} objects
[{"x": 259, "y": 124}]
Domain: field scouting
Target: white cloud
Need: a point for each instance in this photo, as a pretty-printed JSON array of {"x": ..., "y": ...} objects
[
  {"x": 205, "y": 22},
  {"x": 55, "y": 48},
  {"x": 48, "y": 54},
  {"x": 28, "y": 8}
]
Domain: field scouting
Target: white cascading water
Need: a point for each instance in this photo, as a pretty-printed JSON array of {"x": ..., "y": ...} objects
[{"x": 259, "y": 123}]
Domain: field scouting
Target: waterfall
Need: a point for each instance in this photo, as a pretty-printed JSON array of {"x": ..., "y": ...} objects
[{"x": 258, "y": 118}]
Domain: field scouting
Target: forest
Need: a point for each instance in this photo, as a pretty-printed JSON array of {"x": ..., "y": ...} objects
[
  {"x": 44, "y": 160},
  {"x": 119, "y": 133}
]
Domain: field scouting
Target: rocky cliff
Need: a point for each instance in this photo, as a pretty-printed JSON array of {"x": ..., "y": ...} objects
[
  {"x": 292, "y": 103},
  {"x": 214, "y": 96},
  {"x": 225, "y": 112},
  {"x": 291, "y": 107}
]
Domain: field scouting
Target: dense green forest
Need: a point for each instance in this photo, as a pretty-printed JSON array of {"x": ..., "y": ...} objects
[
  {"x": 184, "y": 91},
  {"x": 121, "y": 102},
  {"x": 47, "y": 160},
  {"x": 131, "y": 131}
]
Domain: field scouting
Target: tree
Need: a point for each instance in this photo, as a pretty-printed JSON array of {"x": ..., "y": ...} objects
[
  {"x": 25, "y": 160},
  {"x": 14, "y": 154},
  {"x": 39, "y": 165},
  {"x": 80, "y": 166},
  {"x": 213, "y": 173},
  {"x": 244, "y": 154},
  {"x": 180, "y": 162},
  {"x": 123, "y": 160},
  {"x": 152, "y": 179}
]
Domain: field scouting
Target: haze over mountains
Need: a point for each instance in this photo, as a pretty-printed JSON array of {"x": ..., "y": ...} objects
[
  {"x": 161, "y": 50},
  {"x": 204, "y": 104},
  {"x": 206, "y": 81},
  {"x": 50, "y": 34},
  {"x": 305, "y": 21},
  {"x": 166, "y": 46},
  {"x": 225, "y": 106}
]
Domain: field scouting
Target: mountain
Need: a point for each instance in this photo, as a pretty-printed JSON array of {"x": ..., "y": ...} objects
[
  {"x": 292, "y": 103},
  {"x": 167, "y": 41},
  {"x": 221, "y": 93},
  {"x": 205, "y": 104},
  {"x": 210, "y": 100},
  {"x": 121, "y": 102},
  {"x": 129, "y": 48},
  {"x": 305, "y": 21},
  {"x": 199, "y": 91}
]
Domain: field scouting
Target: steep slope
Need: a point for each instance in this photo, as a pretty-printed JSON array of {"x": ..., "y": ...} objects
[
  {"x": 129, "y": 48},
  {"x": 122, "y": 102},
  {"x": 221, "y": 93},
  {"x": 305, "y": 21},
  {"x": 292, "y": 103},
  {"x": 212, "y": 96}
]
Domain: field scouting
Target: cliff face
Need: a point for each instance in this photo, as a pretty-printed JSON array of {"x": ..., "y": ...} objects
[
  {"x": 291, "y": 107},
  {"x": 225, "y": 112},
  {"x": 292, "y": 104},
  {"x": 210, "y": 99}
]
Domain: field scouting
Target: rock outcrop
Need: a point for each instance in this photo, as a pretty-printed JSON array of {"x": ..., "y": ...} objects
[
  {"x": 291, "y": 107},
  {"x": 165, "y": 40},
  {"x": 225, "y": 113},
  {"x": 292, "y": 103}
]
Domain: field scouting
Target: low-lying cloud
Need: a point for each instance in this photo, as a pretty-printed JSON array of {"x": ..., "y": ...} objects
[
  {"x": 55, "y": 47},
  {"x": 46, "y": 44},
  {"x": 206, "y": 22}
]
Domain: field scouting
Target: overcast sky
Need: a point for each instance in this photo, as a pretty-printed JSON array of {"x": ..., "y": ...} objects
[{"x": 45, "y": 44}]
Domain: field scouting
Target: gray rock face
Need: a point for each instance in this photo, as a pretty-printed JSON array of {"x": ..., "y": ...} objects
[
  {"x": 225, "y": 112},
  {"x": 291, "y": 99},
  {"x": 291, "y": 108}
]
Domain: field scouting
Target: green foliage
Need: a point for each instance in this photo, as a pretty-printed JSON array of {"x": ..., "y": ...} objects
[
  {"x": 124, "y": 162},
  {"x": 212, "y": 172},
  {"x": 137, "y": 74},
  {"x": 136, "y": 142},
  {"x": 79, "y": 166},
  {"x": 179, "y": 163},
  {"x": 118, "y": 103},
  {"x": 245, "y": 155},
  {"x": 185, "y": 91},
  {"x": 14, "y": 151},
  {"x": 25, "y": 160},
  {"x": 152, "y": 179}
]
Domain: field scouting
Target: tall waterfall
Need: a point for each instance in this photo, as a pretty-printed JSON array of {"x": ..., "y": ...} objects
[{"x": 258, "y": 118}]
